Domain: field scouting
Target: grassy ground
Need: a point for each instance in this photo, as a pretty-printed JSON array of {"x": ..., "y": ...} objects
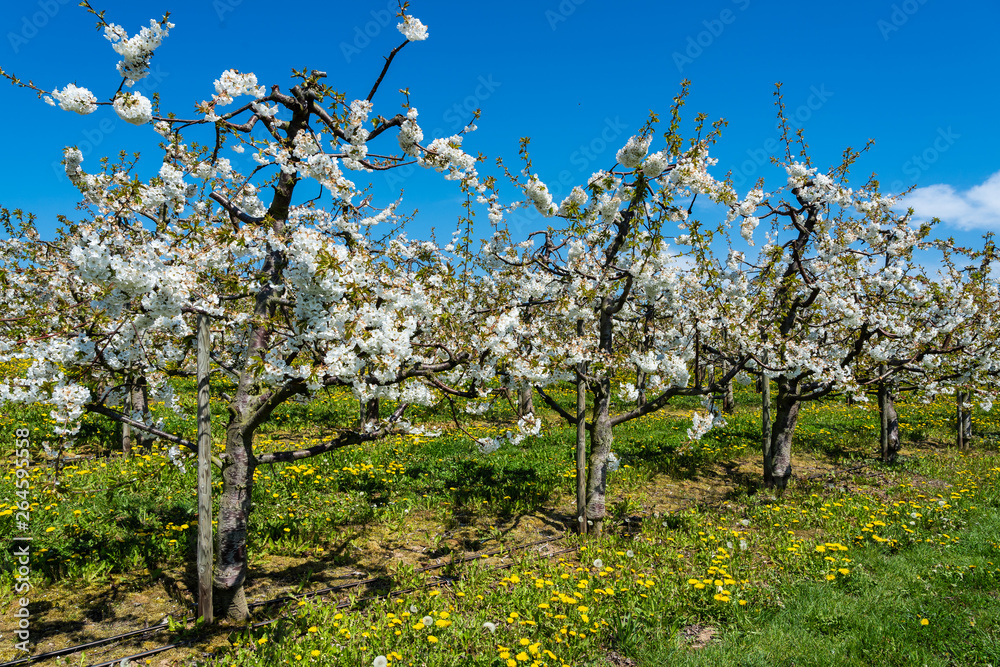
[{"x": 699, "y": 565}]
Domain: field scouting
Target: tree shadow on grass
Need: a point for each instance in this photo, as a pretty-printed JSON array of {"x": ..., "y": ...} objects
[{"x": 512, "y": 488}]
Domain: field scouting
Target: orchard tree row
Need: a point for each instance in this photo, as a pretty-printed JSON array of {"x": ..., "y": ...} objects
[{"x": 625, "y": 295}]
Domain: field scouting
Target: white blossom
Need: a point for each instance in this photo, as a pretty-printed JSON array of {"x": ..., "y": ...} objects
[
  {"x": 412, "y": 29},
  {"x": 133, "y": 108},
  {"x": 137, "y": 50},
  {"x": 73, "y": 98}
]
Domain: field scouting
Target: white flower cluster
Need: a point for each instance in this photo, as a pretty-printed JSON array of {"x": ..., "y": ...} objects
[
  {"x": 174, "y": 454},
  {"x": 701, "y": 423},
  {"x": 540, "y": 196},
  {"x": 136, "y": 51},
  {"x": 526, "y": 426},
  {"x": 133, "y": 108},
  {"x": 445, "y": 154},
  {"x": 74, "y": 98},
  {"x": 655, "y": 165},
  {"x": 629, "y": 392},
  {"x": 356, "y": 150},
  {"x": 799, "y": 174},
  {"x": 90, "y": 186},
  {"x": 410, "y": 134},
  {"x": 487, "y": 446},
  {"x": 631, "y": 155},
  {"x": 576, "y": 200},
  {"x": 67, "y": 407},
  {"x": 747, "y": 228},
  {"x": 232, "y": 84},
  {"x": 412, "y": 29}
]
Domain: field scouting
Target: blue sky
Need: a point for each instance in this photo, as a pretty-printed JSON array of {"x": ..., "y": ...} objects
[{"x": 577, "y": 76}]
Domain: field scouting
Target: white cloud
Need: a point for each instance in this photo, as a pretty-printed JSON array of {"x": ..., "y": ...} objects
[{"x": 975, "y": 208}]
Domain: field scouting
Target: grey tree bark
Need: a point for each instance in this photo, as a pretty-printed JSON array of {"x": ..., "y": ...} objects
[
  {"x": 525, "y": 400},
  {"x": 369, "y": 411},
  {"x": 728, "y": 398},
  {"x": 889, "y": 421},
  {"x": 777, "y": 474},
  {"x": 963, "y": 421},
  {"x": 136, "y": 401},
  {"x": 234, "y": 515},
  {"x": 601, "y": 439},
  {"x": 641, "y": 379}
]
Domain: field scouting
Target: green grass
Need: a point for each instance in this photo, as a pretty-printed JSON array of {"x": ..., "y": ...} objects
[
  {"x": 759, "y": 563},
  {"x": 922, "y": 604}
]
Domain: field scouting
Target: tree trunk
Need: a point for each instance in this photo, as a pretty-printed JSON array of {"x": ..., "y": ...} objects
[
  {"x": 967, "y": 421},
  {"x": 525, "y": 400},
  {"x": 963, "y": 422},
  {"x": 786, "y": 416},
  {"x": 601, "y": 438},
  {"x": 234, "y": 512},
  {"x": 699, "y": 376},
  {"x": 889, "y": 423},
  {"x": 369, "y": 412},
  {"x": 728, "y": 399},
  {"x": 641, "y": 379},
  {"x": 140, "y": 405},
  {"x": 765, "y": 422}
]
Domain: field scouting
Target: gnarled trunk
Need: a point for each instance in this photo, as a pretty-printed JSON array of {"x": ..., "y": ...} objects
[
  {"x": 140, "y": 404},
  {"x": 641, "y": 380},
  {"x": 369, "y": 412},
  {"x": 778, "y": 470},
  {"x": 601, "y": 439},
  {"x": 889, "y": 423},
  {"x": 234, "y": 513},
  {"x": 728, "y": 399},
  {"x": 136, "y": 404},
  {"x": 525, "y": 400},
  {"x": 963, "y": 429}
]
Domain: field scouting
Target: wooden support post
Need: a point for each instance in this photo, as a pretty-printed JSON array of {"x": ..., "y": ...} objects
[
  {"x": 126, "y": 429},
  {"x": 765, "y": 424},
  {"x": 581, "y": 449},
  {"x": 205, "y": 563}
]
